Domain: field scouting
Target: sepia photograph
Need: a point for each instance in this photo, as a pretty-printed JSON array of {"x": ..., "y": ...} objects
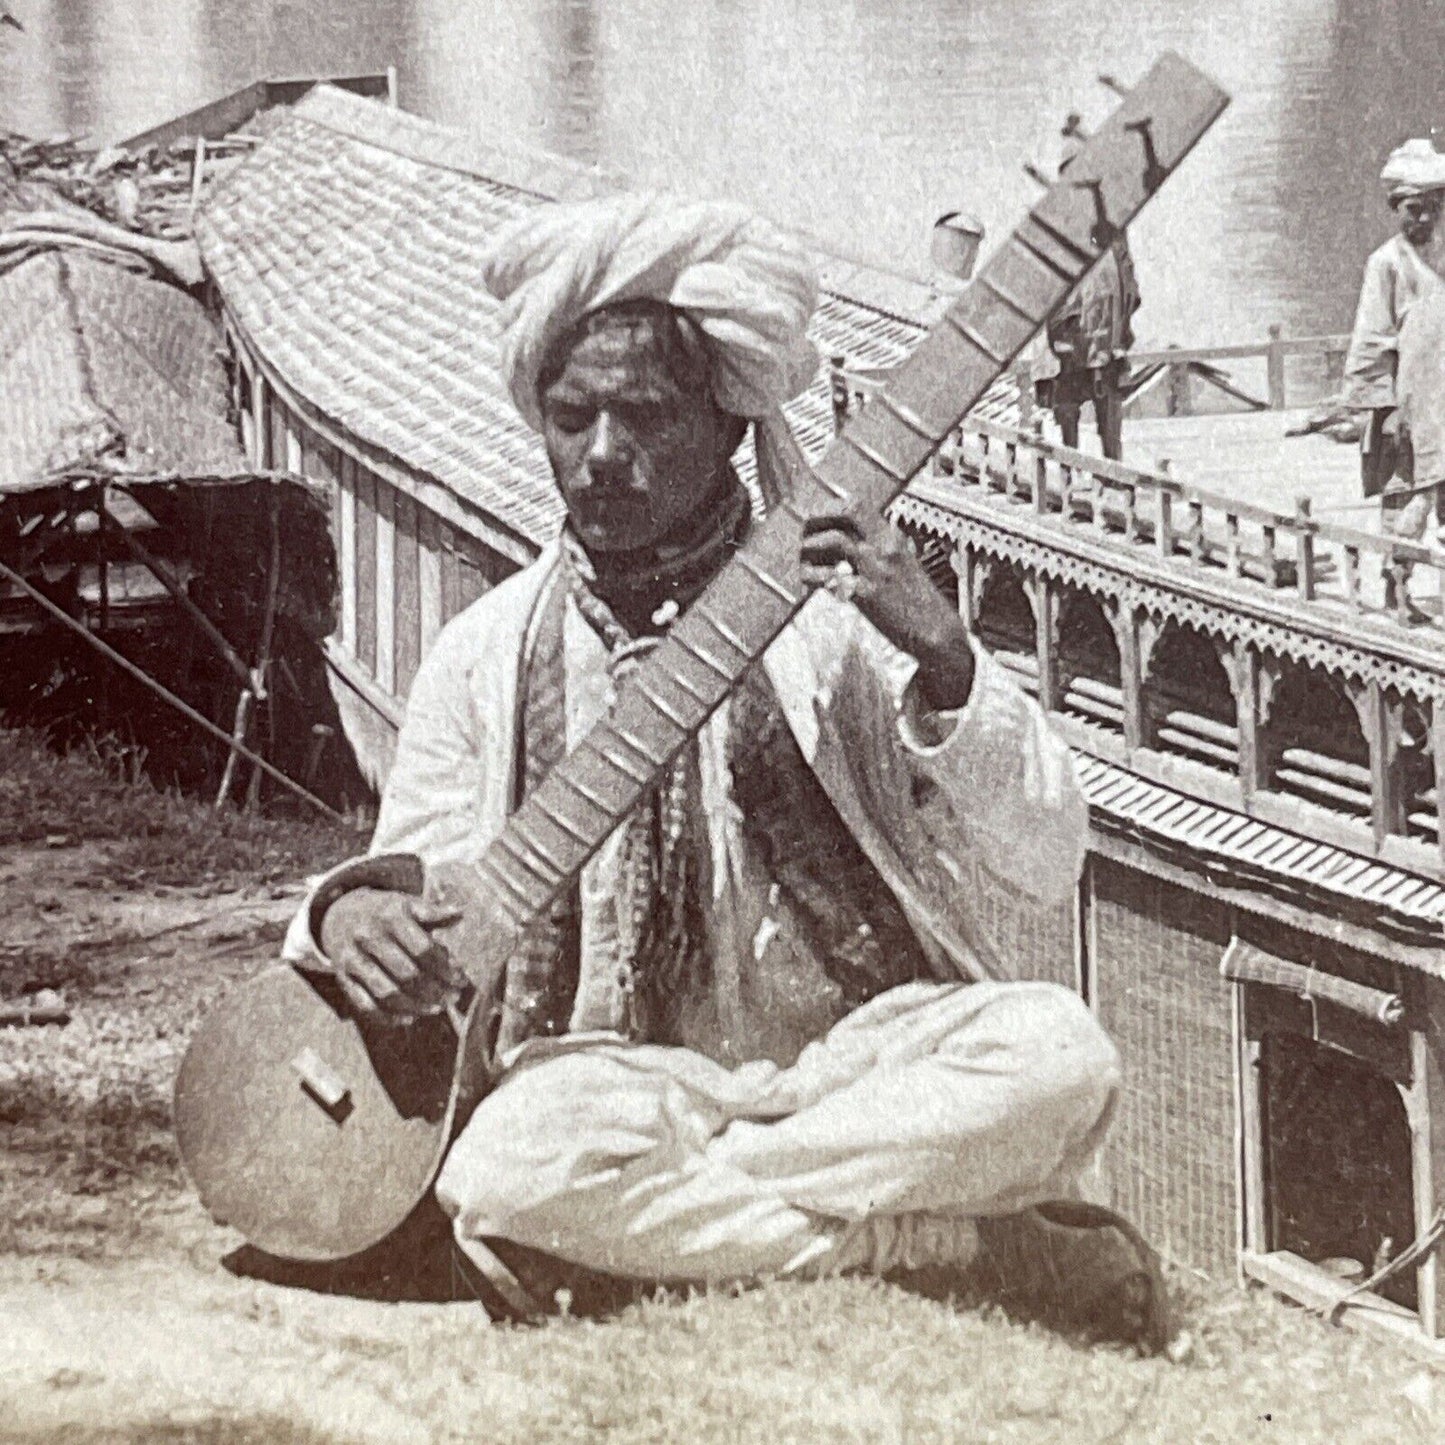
[{"x": 722, "y": 721}]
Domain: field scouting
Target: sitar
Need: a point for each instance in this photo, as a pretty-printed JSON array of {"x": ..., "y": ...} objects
[{"x": 317, "y": 1134}]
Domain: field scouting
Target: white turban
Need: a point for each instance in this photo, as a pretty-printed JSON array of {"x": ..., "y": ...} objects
[
  {"x": 1413, "y": 168},
  {"x": 748, "y": 289}
]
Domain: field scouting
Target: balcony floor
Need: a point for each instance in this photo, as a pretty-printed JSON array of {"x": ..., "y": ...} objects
[{"x": 1248, "y": 457}]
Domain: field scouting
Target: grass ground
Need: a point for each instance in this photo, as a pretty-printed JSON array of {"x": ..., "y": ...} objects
[
  {"x": 145, "y": 837},
  {"x": 120, "y": 1323}
]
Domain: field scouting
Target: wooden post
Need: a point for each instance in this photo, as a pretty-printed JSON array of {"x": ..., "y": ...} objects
[
  {"x": 1249, "y": 1086},
  {"x": 1177, "y": 381},
  {"x": 1351, "y": 571},
  {"x": 1304, "y": 549},
  {"x": 1380, "y": 715},
  {"x": 391, "y": 95},
  {"x": 260, "y": 413},
  {"x": 963, "y": 565},
  {"x": 1046, "y": 641},
  {"x": 1425, "y": 1110},
  {"x": 838, "y": 392},
  {"x": 1334, "y": 364},
  {"x": 346, "y": 549},
  {"x": 1274, "y": 363},
  {"x": 386, "y": 586},
  {"x": 198, "y": 170},
  {"x": 1164, "y": 535},
  {"x": 261, "y": 681},
  {"x": 1244, "y": 674},
  {"x": 1041, "y": 467},
  {"x": 1231, "y": 543},
  {"x": 1131, "y": 680},
  {"x": 1437, "y": 744},
  {"x": 238, "y": 739},
  {"x": 430, "y": 561}
]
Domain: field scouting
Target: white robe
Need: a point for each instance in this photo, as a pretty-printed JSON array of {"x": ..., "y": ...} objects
[{"x": 945, "y": 1099}]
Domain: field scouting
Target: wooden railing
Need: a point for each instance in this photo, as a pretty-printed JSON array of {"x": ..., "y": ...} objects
[
  {"x": 1296, "y": 371},
  {"x": 1347, "y": 569}
]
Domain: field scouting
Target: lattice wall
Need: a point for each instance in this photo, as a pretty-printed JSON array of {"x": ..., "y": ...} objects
[
  {"x": 1170, "y": 1159},
  {"x": 1030, "y": 942}
]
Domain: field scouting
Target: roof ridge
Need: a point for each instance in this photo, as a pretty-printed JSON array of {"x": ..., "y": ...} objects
[
  {"x": 534, "y": 171},
  {"x": 402, "y": 132},
  {"x": 70, "y": 299}
]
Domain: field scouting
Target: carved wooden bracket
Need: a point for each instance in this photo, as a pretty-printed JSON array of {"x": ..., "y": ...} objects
[{"x": 1151, "y": 629}]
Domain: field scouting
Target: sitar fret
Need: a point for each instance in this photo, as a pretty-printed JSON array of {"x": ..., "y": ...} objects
[
  {"x": 995, "y": 288},
  {"x": 507, "y": 840},
  {"x": 1085, "y": 258},
  {"x": 653, "y": 763},
  {"x": 517, "y": 828},
  {"x": 508, "y": 882},
  {"x": 755, "y": 569},
  {"x": 664, "y": 708},
  {"x": 562, "y": 822},
  {"x": 976, "y": 339},
  {"x": 627, "y": 770},
  {"x": 498, "y": 886},
  {"x": 701, "y": 611},
  {"x": 680, "y": 679},
  {"x": 833, "y": 489},
  {"x": 876, "y": 459},
  {"x": 1056, "y": 269},
  {"x": 693, "y": 649},
  {"x": 910, "y": 418},
  {"x": 564, "y": 775}
]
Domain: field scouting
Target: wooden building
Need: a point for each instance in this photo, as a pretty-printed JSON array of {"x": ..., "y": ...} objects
[
  {"x": 344, "y": 254},
  {"x": 1260, "y": 921},
  {"x": 1259, "y": 924}
]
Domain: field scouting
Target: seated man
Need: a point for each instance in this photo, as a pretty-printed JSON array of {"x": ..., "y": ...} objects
[{"x": 764, "y": 1036}]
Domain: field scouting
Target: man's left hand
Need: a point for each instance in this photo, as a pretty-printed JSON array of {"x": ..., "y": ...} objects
[{"x": 869, "y": 562}]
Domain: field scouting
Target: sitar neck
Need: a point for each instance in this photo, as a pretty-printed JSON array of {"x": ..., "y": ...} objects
[{"x": 663, "y": 704}]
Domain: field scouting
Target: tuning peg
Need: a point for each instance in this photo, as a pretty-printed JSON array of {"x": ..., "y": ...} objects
[
  {"x": 1103, "y": 230},
  {"x": 1110, "y": 83},
  {"x": 1154, "y": 172},
  {"x": 1073, "y": 127}
]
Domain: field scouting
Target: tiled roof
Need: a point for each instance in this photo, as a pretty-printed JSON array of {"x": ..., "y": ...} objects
[
  {"x": 99, "y": 363},
  {"x": 1248, "y": 849},
  {"x": 346, "y": 249}
]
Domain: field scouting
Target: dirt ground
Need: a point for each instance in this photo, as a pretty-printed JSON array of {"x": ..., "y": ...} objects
[{"x": 120, "y": 1319}]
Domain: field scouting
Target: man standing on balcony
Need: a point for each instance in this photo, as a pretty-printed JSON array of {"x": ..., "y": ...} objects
[
  {"x": 1405, "y": 270},
  {"x": 749, "y": 1042},
  {"x": 1083, "y": 357}
]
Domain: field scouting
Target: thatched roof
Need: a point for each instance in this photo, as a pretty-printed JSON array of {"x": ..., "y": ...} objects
[
  {"x": 345, "y": 248},
  {"x": 102, "y": 366}
]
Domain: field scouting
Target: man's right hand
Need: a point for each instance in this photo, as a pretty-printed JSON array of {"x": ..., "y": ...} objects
[{"x": 381, "y": 948}]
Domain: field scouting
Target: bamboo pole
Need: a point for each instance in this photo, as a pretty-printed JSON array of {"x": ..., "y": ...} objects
[
  {"x": 181, "y": 706},
  {"x": 166, "y": 578},
  {"x": 268, "y": 633}
]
